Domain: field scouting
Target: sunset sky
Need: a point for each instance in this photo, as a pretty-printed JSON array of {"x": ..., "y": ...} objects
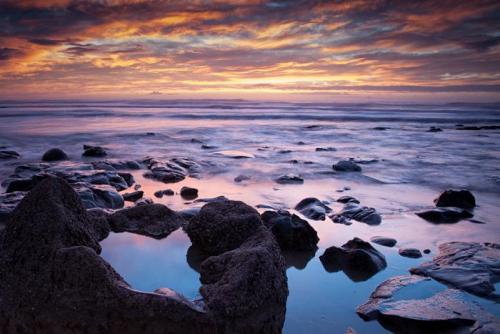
[{"x": 415, "y": 51}]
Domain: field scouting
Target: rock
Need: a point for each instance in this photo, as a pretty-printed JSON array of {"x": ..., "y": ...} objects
[
  {"x": 284, "y": 151},
  {"x": 291, "y": 232},
  {"x": 25, "y": 184},
  {"x": 470, "y": 266},
  {"x": 457, "y": 198},
  {"x": 241, "y": 178},
  {"x": 426, "y": 251},
  {"x": 326, "y": 149},
  {"x": 153, "y": 220},
  {"x": 365, "y": 162},
  {"x": 166, "y": 192},
  {"x": 208, "y": 147},
  {"x": 189, "y": 193},
  {"x": 313, "y": 208},
  {"x": 384, "y": 241},
  {"x": 165, "y": 171},
  {"x": 356, "y": 258},
  {"x": 337, "y": 219},
  {"x": 98, "y": 196},
  {"x": 381, "y": 128},
  {"x": 4, "y": 155},
  {"x": 196, "y": 141},
  {"x": 235, "y": 154},
  {"x": 347, "y": 199},
  {"x": 116, "y": 164},
  {"x": 444, "y": 215},
  {"x": 133, "y": 196},
  {"x": 363, "y": 214},
  {"x": 410, "y": 252},
  {"x": 485, "y": 127},
  {"x": 144, "y": 201},
  {"x": 188, "y": 214},
  {"x": 346, "y": 166},
  {"x": 53, "y": 280},
  {"x": 223, "y": 226},
  {"x": 54, "y": 154},
  {"x": 8, "y": 203},
  {"x": 99, "y": 222},
  {"x": 212, "y": 199},
  {"x": 93, "y": 151},
  {"x": 434, "y": 129},
  {"x": 289, "y": 179},
  {"x": 448, "y": 311},
  {"x": 129, "y": 178}
]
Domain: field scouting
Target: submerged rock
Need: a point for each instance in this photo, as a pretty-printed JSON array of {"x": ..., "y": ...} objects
[
  {"x": 53, "y": 280},
  {"x": 241, "y": 178},
  {"x": 93, "y": 151},
  {"x": 289, "y": 179},
  {"x": 5, "y": 154},
  {"x": 444, "y": 215},
  {"x": 384, "y": 241},
  {"x": 346, "y": 166},
  {"x": 166, "y": 192},
  {"x": 291, "y": 232},
  {"x": 356, "y": 258},
  {"x": 363, "y": 214},
  {"x": 313, "y": 208},
  {"x": 133, "y": 196},
  {"x": 470, "y": 266},
  {"x": 54, "y": 154},
  {"x": 189, "y": 193},
  {"x": 410, "y": 252},
  {"x": 457, "y": 198},
  {"x": 153, "y": 220},
  {"x": 325, "y": 149}
]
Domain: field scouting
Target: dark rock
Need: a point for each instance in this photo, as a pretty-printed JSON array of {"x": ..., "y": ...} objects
[
  {"x": 189, "y": 193},
  {"x": 444, "y": 215},
  {"x": 196, "y": 141},
  {"x": 337, "y": 219},
  {"x": 54, "y": 154},
  {"x": 346, "y": 166},
  {"x": 166, "y": 192},
  {"x": 426, "y": 251},
  {"x": 4, "y": 154},
  {"x": 458, "y": 198},
  {"x": 470, "y": 266},
  {"x": 325, "y": 149},
  {"x": 381, "y": 128},
  {"x": 357, "y": 259},
  {"x": 384, "y": 241},
  {"x": 212, "y": 199},
  {"x": 365, "y": 161},
  {"x": 98, "y": 196},
  {"x": 153, "y": 220},
  {"x": 289, "y": 179},
  {"x": 291, "y": 232},
  {"x": 434, "y": 129},
  {"x": 284, "y": 151},
  {"x": 8, "y": 203},
  {"x": 347, "y": 199},
  {"x": 360, "y": 213},
  {"x": 25, "y": 184},
  {"x": 129, "y": 178},
  {"x": 208, "y": 147},
  {"x": 133, "y": 196},
  {"x": 52, "y": 279},
  {"x": 300, "y": 143},
  {"x": 485, "y": 127},
  {"x": 313, "y": 126},
  {"x": 188, "y": 214},
  {"x": 223, "y": 226},
  {"x": 93, "y": 151},
  {"x": 116, "y": 164},
  {"x": 313, "y": 208},
  {"x": 410, "y": 252},
  {"x": 99, "y": 222},
  {"x": 165, "y": 171},
  {"x": 241, "y": 178},
  {"x": 144, "y": 201}
]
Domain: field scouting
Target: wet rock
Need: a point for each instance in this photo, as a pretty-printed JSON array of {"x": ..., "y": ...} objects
[
  {"x": 223, "y": 226},
  {"x": 116, "y": 164},
  {"x": 313, "y": 208},
  {"x": 54, "y": 154},
  {"x": 212, "y": 199},
  {"x": 129, "y": 178},
  {"x": 93, "y": 151},
  {"x": 473, "y": 267},
  {"x": 284, "y": 151},
  {"x": 337, "y": 219},
  {"x": 53, "y": 280},
  {"x": 444, "y": 215},
  {"x": 434, "y": 129},
  {"x": 133, "y": 196},
  {"x": 189, "y": 193},
  {"x": 426, "y": 251},
  {"x": 410, "y": 252},
  {"x": 25, "y": 184},
  {"x": 289, "y": 179},
  {"x": 346, "y": 166},
  {"x": 359, "y": 213},
  {"x": 144, "y": 201},
  {"x": 347, "y": 199},
  {"x": 208, "y": 147},
  {"x": 166, "y": 192},
  {"x": 356, "y": 258},
  {"x": 196, "y": 141},
  {"x": 241, "y": 178},
  {"x": 98, "y": 196},
  {"x": 291, "y": 232},
  {"x": 457, "y": 198},
  {"x": 381, "y": 128},
  {"x": 326, "y": 149},
  {"x": 5, "y": 154},
  {"x": 485, "y": 127},
  {"x": 235, "y": 154},
  {"x": 166, "y": 171},
  {"x": 384, "y": 241},
  {"x": 153, "y": 220},
  {"x": 8, "y": 203},
  {"x": 365, "y": 161}
]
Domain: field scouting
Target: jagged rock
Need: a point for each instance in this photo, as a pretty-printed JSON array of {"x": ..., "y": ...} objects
[
  {"x": 356, "y": 258},
  {"x": 457, "y": 198},
  {"x": 447, "y": 311},
  {"x": 449, "y": 215},
  {"x": 313, "y": 208},
  {"x": 153, "y": 220},
  {"x": 352, "y": 210},
  {"x": 133, "y": 196},
  {"x": 384, "y": 241},
  {"x": 54, "y": 154},
  {"x": 222, "y": 226},
  {"x": 53, "y": 280},
  {"x": 189, "y": 193},
  {"x": 291, "y": 232},
  {"x": 410, "y": 252},
  {"x": 470, "y": 266},
  {"x": 93, "y": 151},
  {"x": 289, "y": 179},
  {"x": 5, "y": 154},
  {"x": 346, "y": 166}
]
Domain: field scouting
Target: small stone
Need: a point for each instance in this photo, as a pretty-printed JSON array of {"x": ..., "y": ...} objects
[
  {"x": 410, "y": 252},
  {"x": 384, "y": 241}
]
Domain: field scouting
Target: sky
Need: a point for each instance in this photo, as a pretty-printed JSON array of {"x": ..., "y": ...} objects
[{"x": 358, "y": 50}]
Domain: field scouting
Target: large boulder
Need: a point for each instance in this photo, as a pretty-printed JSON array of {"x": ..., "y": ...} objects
[
  {"x": 356, "y": 258},
  {"x": 470, "y": 266},
  {"x": 291, "y": 232},
  {"x": 223, "y": 226},
  {"x": 153, "y": 220},
  {"x": 54, "y": 154},
  {"x": 313, "y": 208},
  {"x": 457, "y": 198}
]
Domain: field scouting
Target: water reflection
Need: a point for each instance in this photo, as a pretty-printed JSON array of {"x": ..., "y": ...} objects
[{"x": 298, "y": 260}]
